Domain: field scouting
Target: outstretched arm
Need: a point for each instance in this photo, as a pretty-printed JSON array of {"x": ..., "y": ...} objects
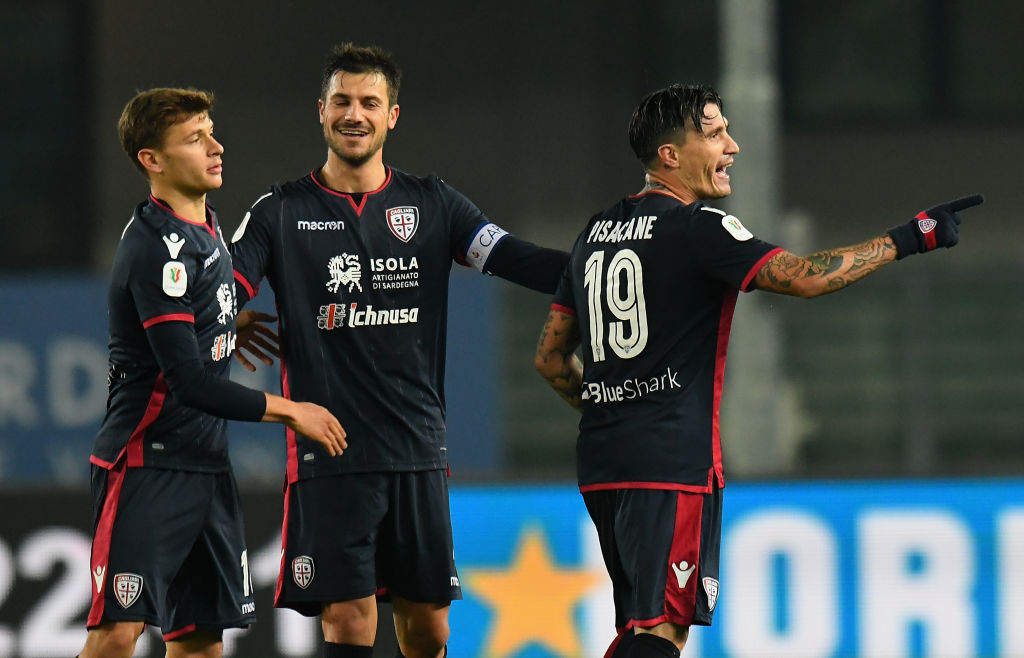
[
  {"x": 825, "y": 271},
  {"x": 555, "y": 359},
  {"x": 524, "y": 263},
  {"x": 834, "y": 269}
]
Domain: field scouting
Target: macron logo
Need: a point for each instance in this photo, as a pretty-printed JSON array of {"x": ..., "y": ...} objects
[
  {"x": 682, "y": 572},
  {"x": 97, "y": 575}
]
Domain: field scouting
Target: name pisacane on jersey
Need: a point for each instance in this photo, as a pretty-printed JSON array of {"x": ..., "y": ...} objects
[
  {"x": 631, "y": 389},
  {"x": 611, "y": 230},
  {"x": 332, "y": 316},
  {"x": 391, "y": 273}
]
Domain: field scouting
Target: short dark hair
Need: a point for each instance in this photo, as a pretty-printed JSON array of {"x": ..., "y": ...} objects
[
  {"x": 146, "y": 118},
  {"x": 351, "y": 58},
  {"x": 663, "y": 113}
]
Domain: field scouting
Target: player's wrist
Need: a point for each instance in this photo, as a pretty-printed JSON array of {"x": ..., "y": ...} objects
[{"x": 905, "y": 237}]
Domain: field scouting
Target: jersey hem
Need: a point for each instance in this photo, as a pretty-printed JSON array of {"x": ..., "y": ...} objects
[{"x": 666, "y": 486}]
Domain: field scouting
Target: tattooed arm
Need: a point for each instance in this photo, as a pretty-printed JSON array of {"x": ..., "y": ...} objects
[
  {"x": 825, "y": 271},
  {"x": 555, "y": 359}
]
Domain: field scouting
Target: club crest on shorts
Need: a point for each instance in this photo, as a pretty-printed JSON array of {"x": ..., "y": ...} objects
[
  {"x": 711, "y": 589},
  {"x": 127, "y": 587},
  {"x": 302, "y": 571},
  {"x": 403, "y": 221}
]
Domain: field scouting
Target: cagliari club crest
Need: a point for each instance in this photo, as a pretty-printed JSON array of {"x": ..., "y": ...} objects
[
  {"x": 403, "y": 221},
  {"x": 127, "y": 587},
  {"x": 302, "y": 571},
  {"x": 711, "y": 589}
]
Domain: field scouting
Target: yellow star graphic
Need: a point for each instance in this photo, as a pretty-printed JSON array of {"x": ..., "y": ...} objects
[{"x": 532, "y": 599}]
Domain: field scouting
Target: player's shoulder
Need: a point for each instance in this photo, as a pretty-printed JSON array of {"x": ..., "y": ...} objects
[
  {"x": 150, "y": 235},
  {"x": 721, "y": 219},
  {"x": 149, "y": 221},
  {"x": 431, "y": 182}
]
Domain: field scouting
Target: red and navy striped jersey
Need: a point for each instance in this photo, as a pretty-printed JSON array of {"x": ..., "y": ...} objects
[
  {"x": 653, "y": 285},
  {"x": 361, "y": 286},
  {"x": 166, "y": 269}
]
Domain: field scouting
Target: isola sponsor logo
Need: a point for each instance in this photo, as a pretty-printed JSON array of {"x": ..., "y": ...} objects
[
  {"x": 391, "y": 273},
  {"x": 630, "y": 389}
]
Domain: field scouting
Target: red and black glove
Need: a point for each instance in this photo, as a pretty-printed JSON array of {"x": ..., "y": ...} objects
[{"x": 932, "y": 228}]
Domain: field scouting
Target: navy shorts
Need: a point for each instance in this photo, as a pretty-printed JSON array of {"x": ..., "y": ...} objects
[
  {"x": 661, "y": 550},
  {"x": 351, "y": 536},
  {"x": 168, "y": 549}
]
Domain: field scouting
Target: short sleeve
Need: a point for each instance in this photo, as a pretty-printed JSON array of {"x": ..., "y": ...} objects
[
  {"x": 251, "y": 244},
  {"x": 159, "y": 286},
  {"x": 728, "y": 251}
]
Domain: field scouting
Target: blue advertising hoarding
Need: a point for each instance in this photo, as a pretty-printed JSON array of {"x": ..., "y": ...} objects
[
  {"x": 53, "y": 374},
  {"x": 831, "y": 570}
]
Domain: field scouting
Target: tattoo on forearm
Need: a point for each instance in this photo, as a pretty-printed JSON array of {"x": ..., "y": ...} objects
[
  {"x": 558, "y": 341},
  {"x": 826, "y": 271}
]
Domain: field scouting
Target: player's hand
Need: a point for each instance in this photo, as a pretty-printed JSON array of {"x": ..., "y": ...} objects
[
  {"x": 317, "y": 423},
  {"x": 932, "y": 228},
  {"x": 256, "y": 338}
]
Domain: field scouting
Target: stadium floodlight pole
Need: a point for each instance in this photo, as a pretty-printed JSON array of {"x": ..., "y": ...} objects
[{"x": 754, "y": 418}]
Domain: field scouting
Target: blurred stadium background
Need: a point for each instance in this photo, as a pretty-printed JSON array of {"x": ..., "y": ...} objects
[{"x": 874, "y": 439}]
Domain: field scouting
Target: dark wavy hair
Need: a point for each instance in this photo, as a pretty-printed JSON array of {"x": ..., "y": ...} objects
[
  {"x": 665, "y": 112},
  {"x": 351, "y": 58}
]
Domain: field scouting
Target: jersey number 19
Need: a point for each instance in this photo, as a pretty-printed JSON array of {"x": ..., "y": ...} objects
[{"x": 623, "y": 287}]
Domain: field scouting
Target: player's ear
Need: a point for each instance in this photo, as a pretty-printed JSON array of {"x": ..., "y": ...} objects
[
  {"x": 668, "y": 155},
  {"x": 150, "y": 161},
  {"x": 392, "y": 116}
]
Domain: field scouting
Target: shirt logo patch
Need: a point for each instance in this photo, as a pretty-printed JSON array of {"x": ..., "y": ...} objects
[
  {"x": 97, "y": 575},
  {"x": 226, "y": 300},
  {"x": 345, "y": 270},
  {"x": 174, "y": 244},
  {"x": 175, "y": 279},
  {"x": 711, "y": 589},
  {"x": 223, "y": 345},
  {"x": 331, "y": 316},
  {"x": 127, "y": 587},
  {"x": 302, "y": 571},
  {"x": 403, "y": 221},
  {"x": 736, "y": 229},
  {"x": 212, "y": 258},
  {"x": 682, "y": 571}
]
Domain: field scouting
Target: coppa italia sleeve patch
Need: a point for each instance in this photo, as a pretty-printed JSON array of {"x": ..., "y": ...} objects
[
  {"x": 737, "y": 230},
  {"x": 175, "y": 280},
  {"x": 482, "y": 243}
]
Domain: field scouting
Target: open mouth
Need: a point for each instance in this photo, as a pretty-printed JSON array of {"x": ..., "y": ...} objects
[
  {"x": 721, "y": 171},
  {"x": 352, "y": 132}
]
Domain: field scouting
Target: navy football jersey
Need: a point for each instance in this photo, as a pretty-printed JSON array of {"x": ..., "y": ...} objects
[
  {"x": 653, "y": 284},
  {"x": 166, "y": 269},
  {"x": 361, "y": 283}
]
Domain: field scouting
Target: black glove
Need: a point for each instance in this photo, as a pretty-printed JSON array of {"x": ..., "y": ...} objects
[{"x": 935, "y": 227}]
